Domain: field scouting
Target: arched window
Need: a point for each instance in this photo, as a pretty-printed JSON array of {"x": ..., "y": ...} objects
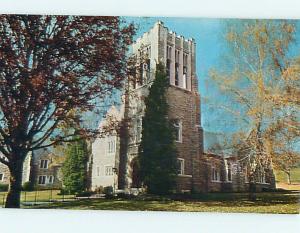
[
  {"x": 177, "y": 67},
  {"x": 138, "y": 131},
  {"x": 228, "y": 167},
  {"x": 180, "y": 166},
  {"x": 215, "y": 173},
  {"x": 184, "y": 75},
  {"x": 178, "y": 130}
]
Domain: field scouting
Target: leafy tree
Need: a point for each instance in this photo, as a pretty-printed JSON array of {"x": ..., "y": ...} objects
[
  {"x": 74, "y": 169},
  {"x": 286, "y": 162},
  {"x": 259, "y": 82},
  {"x": 49, "y": 66},
  {"x": 283, "y": 146},
  {"x": 157, "y": 152}
]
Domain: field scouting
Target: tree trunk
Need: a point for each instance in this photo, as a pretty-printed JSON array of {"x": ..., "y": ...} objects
[
  {"x": 15, "y": 187},
  {"x": 289, "y": 177},
  {"x": 252, "y": 188},
  {"x": 252, "y": 191}
]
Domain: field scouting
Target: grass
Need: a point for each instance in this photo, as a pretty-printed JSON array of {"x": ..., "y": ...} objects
[
  {"x": 38, "y": 196},
  {"x": 281, "y": 177},
  {"x": 277, "y": 203},
  {"x": 270, "y": 202}
]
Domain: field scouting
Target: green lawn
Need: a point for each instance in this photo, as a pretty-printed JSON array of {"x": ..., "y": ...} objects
[
  {"x": 279, "y": 203},
  {"x": 39, "y": 196},
  {"x": 282, "y": 178}
]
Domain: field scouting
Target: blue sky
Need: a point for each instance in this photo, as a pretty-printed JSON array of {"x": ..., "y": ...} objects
[{"x": 208, "y": 34}]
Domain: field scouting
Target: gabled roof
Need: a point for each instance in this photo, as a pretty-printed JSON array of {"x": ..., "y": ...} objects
[
  {"x": 112, "y": 114},
  {"x": 40, "y": 152}
]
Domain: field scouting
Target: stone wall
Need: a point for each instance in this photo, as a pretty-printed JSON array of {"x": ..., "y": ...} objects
[
  {"x": 183, "y": 100},
  {"x": 239, "y": 181},
  {"x": 5, "y": 174},
  {"x": 182, "y": 106},
  {"x": 53, "y": 169},
  {"x": 26, "y": 171}
]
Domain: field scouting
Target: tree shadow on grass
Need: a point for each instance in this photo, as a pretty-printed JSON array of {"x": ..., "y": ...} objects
[
  {"x": 233, "y": 198},
  {"x": 234, "y": 202}
]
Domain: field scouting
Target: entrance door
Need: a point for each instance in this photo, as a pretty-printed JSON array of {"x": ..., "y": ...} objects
[{"x": 136, "y": 182}]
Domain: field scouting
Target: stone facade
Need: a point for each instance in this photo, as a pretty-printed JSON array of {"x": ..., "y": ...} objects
[
  {"x": 229, "y": 174},
  {"x": 33, "y": 170},
  {"x": 178, "y": 55},
  {"x": 199, "y": 171},
  {"x": 46, "y": 170},
  {"x": 5, "y": 174},
  {"x": 105, "y": 154}
]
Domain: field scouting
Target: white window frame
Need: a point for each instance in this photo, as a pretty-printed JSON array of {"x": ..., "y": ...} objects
[
  {"x": 184, "y": 77},
  {"x": 178, "y": 127},
  {"x": 228, "y": 166},
  {"x": 52, "y": 179},
  {"x": 43, "y": 180},
  {"x": 181, "y": 166},
  {"x": 169, "y": 61},
  {"x": 169, "y": 52},
  {"x": 148, "y": 51},
  {"x": 98, "y": 171},
  {"x": 262, "y": 177},
  {"x": 44, "y": 162},
  {"x": 185, "y": 59},
  {"x": 108, "y": 151},
  {"x": 215, "y": 174},
  {"x": 108, "y": 170},
  {"x": 177, "y": 75},
  {"x": 1, "y": 176},
  {"x": 184, "y": 81},
  {"x": 138, "y": 130},
  {"x": 177, "y": 56},
  {"x": 246, "y": 174},
  {"x": 168, "y": 67},
  {"x": 111, "y": 146}
]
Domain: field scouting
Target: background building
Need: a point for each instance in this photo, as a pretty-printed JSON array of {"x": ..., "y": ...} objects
[
  {"x": 105, "y": 153},
  {"x": 5, "y": 174},
  {"x": 46, "y": 170}
]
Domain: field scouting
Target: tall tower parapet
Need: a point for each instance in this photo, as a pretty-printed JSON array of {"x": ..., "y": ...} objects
[{"x": 160, "y": 45}]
